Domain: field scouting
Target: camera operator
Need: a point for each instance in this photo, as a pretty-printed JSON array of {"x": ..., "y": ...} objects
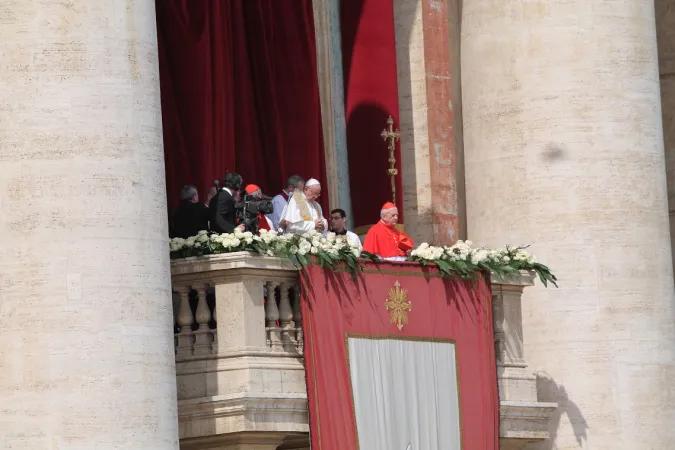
[
  {"x": 221, "y": 207},
  {"x": 263, "y": 222}
]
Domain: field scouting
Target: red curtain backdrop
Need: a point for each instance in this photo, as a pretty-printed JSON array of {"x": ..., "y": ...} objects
[
  {"x": 334, "y": 305},
  {"x": 371, "y": 95},
  {"x": 239, "y": 92}
]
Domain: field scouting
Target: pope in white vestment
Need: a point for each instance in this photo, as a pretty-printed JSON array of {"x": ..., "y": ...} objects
[{"x": 303, "y": 213}]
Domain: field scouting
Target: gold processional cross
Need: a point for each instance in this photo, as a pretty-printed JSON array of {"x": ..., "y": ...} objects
[
  {"x": 398, "y": 305},
  {"x": 391, "y": 136}
]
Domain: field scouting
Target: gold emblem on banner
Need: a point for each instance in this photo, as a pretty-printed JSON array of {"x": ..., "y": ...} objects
[{"x": 398, "y": 305}]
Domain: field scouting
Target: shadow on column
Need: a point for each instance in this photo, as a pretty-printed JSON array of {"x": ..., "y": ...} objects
[{"x": 550, "y": 391}]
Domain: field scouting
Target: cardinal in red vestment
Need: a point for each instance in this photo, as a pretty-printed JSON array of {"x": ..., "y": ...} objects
[{"x": 384, "y": 239}]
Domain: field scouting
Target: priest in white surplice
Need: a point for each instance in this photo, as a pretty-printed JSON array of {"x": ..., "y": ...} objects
[{"x": 303, "y": 213}]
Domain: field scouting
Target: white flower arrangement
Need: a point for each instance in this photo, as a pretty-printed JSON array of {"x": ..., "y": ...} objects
[
  {"x": 329, "y": 249},
  {"x": 460, "y": 259},
  {"x": 463, "y": 260}
]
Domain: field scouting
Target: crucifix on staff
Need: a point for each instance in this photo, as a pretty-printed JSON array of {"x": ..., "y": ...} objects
[{"x": 391, "y": 136}]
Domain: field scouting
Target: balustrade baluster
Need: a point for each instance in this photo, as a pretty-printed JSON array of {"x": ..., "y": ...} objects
[
  {"x": 214, "y": 330},
  {"x": 271, "y": 314},
  {"x": 297, "y": 315},
  {"x": 498, "y": 323},
  {"x": 185, "y": 320},
  {"x": 285, "y": 311},
  {"x": 203, "y": 335}
]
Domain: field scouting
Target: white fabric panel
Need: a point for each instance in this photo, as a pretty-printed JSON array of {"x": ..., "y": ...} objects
[{"x": 405, "y": 394}]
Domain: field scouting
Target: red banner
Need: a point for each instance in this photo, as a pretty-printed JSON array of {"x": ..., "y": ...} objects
[{"x": 398, "y": 302}]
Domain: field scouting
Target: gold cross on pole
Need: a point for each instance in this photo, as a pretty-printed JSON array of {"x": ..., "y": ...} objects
[{"x": 391, "y": 136}]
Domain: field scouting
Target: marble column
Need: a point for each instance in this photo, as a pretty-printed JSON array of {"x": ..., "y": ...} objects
[
  {"x": 412, "y": 100},
  {"x": 85, "y": 311},
  {"x": 331, "y": 92},
  {"x": 564, "y": 150},
  {"x": 427, "y": 58}
]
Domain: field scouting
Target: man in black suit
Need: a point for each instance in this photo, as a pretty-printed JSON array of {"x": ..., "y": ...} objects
[
  {"x": 191, "y": 216},
  {"x": 221, "y": 207}
]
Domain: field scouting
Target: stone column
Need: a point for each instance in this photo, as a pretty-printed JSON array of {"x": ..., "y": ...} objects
[
  {"x": 85, "y": 310},
  {"x": 564, "y": 150},
  {"x": 427, "y": 58},
  {"x": 331, "y": 93}
]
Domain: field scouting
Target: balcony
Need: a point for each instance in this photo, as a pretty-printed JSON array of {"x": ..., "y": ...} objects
[{"x": 239, "y": 363}]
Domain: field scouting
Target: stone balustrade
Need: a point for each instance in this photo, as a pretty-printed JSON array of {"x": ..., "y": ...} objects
[
  {"x": 239, "y": 364},
  {"x": 196, "y": 313}
]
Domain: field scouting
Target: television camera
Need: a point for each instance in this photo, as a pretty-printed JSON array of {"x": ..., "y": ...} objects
[{"x": 249, "y": 207}]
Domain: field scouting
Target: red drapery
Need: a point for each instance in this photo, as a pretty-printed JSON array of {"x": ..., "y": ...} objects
[
  {"x": 239, "y": 92},
  {"x": 334, "y": 307},
  {"x": 371, "y": 95}
]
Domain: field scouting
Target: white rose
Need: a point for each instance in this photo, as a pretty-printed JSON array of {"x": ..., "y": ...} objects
[
  {"x": 356, "y": 252},
  {"x": 202, "y": 233},
  {"x": 314, "y": 250},
  {"x": 190, "y": 242},
  {"x": 203, "y": 238},
  {"x": 468, "y": 243},
  {"x": 197, "y": 245},
  {"x": 330, "y": 237},
  {"x": 174, "y": 247},
  {"x": 479, "y": 256}
]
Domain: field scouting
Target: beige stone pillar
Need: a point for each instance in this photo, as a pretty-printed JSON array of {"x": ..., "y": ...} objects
[
  {"x": 412, "y": 99},
  {"x": 86, "y": 345},
  {"x": 564, "y": 150},
  {"x": 331, "y": 93},
  {"x": 427, "y": 60}
]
